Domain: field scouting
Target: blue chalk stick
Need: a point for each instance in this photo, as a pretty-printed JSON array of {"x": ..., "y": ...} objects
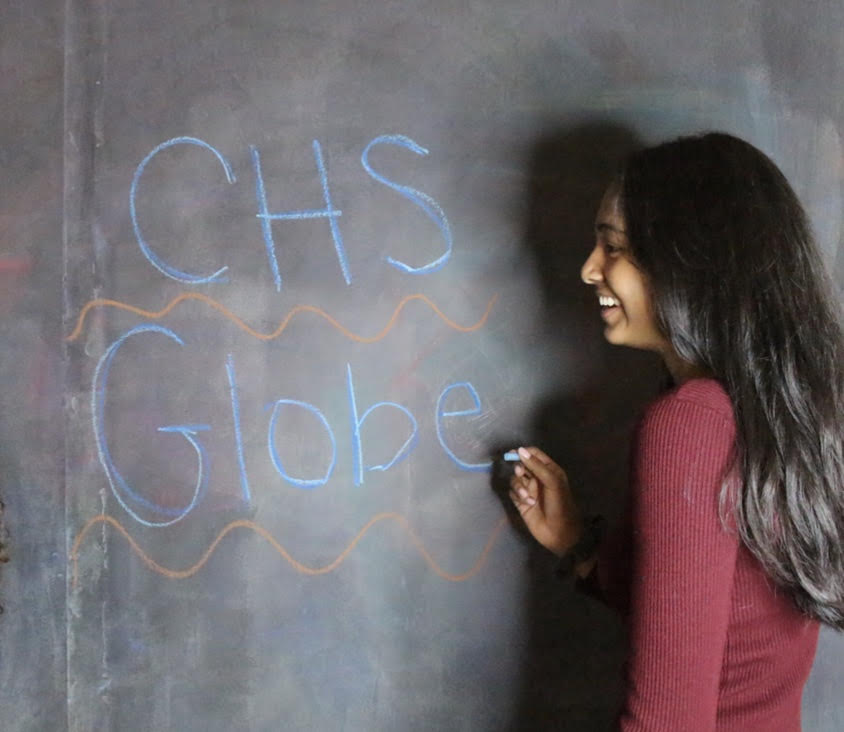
[{"x": 512, "y": 456}]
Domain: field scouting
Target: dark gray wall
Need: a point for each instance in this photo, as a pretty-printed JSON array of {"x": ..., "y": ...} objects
[
  {"x": 33, "y": 627},
  {"x": 206, "y": 576}
]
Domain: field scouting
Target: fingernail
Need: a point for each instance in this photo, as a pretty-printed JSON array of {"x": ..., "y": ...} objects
[
  {"x": 519, "y": 470},
  {"x": 530, "y": 501},
  {"x": 524, "y": 454},
  {"x": 523, "y": 494}
]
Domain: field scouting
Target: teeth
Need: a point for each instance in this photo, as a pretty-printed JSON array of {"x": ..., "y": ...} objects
[{"x": 607, "y": 302}]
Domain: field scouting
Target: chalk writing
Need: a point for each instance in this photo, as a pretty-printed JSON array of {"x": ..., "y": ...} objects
[
  {"x": 357, "y": 422},
  {"x": 276, "y": 461},
  {"x": 476, "y": 409},
  {"x": 189, "y": 432},
  {"x": 328, "y": 212},
  {"x": 157, "y": 314},
  {"x": 431, "y": 208},
  {"x": 153, "y": 258},
  {"x": 115, "y": 479},
  {"x": 285, "y": 407},
  {"x": 177, "y": 574},
  {"x": 238, "y": 437}
]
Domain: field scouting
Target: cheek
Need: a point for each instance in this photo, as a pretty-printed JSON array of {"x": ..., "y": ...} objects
[
  {"x": 639, "y": 308},
  {"x": 647, "y": 312},
  {"x": 628, "y": 285}
]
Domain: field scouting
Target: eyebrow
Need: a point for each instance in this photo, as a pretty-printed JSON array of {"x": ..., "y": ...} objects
[{"x": 604, "y": 227}]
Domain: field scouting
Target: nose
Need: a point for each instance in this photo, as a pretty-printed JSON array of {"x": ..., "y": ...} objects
[{"x": 592, "y": 271}]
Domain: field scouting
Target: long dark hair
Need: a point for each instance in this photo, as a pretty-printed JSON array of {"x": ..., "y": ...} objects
[{"x": 740, "y": 290}]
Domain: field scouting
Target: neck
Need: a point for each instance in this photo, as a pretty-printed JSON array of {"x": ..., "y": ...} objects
[{"x": 680, "y": 370}]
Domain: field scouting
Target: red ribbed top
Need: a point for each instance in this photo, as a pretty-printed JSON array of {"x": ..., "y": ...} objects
[{"x": 714, "y": 645}]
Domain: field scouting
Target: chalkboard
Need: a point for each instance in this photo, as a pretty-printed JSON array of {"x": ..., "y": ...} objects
[{"x": 320, "y": 265}]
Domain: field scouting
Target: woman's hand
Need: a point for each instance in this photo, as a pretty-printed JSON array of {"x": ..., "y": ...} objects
[{"x": 540, "y": 491}]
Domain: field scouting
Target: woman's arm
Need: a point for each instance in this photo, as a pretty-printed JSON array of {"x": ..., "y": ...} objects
[{"x": 540, "y": 491}]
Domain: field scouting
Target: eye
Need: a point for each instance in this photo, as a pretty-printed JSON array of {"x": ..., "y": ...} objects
[{"x": 613, "y": 250}]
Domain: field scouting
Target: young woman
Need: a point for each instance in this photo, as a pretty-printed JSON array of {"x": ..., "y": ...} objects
[{"x": 734, "y": 551}]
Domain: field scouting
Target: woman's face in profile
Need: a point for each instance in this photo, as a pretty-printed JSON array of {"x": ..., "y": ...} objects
[{"x": 622, "y": 289}]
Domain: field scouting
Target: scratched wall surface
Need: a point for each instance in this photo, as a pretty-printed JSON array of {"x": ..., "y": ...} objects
[
  {"x": 32, "y": 583},
  {"x": 320, "y": 264}
]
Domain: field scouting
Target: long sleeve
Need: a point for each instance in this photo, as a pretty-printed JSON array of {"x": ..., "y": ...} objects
[
  {"x": 609, "y": 581},
  {"x": 683, "y": 561}
]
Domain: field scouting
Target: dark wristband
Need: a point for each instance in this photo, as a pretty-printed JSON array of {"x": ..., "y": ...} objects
[{"x": 584, "y": 548}]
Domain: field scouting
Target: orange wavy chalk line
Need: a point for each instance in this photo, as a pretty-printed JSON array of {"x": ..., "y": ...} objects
[
  {"x": 298, "y": 566},
  {"x": 278, "y": 331}
]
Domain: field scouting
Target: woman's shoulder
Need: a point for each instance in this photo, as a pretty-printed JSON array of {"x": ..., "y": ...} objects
[
  {"x": 693, "y": 397},
  {"x": 689, "y": 430}
]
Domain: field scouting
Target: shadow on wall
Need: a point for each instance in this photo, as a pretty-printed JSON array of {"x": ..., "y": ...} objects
[
  {"x": 575, "y": 646},
  {"x": 4, "y": 553}
]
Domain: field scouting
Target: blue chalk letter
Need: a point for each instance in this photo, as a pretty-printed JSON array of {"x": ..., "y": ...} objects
[
  {"x": 153, "y": 258},
  {"x": 301, "y": 482},
  {"x": 325, "y": 213},
  {"x": 98, "y": 399},
  {"x": 357, "y": 451},
  {"x": 238, "y": 437},
  {"x": 431, "y": 208},
  {"x": 479, "y": 467}
]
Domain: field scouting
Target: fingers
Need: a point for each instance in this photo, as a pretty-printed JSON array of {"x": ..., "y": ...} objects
[
  {"x": 539, "y": 455},
  {"x": 525, "y": 484},
  {"x": 523, "y": 491},
  {"x": 546, "y": 470},
  {"x": 545, "y": 459},
  {"x": 536, "y": 472},
  {"x": 522, "y": 506}
]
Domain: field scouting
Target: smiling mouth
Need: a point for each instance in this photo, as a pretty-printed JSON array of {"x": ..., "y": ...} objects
[{"x": 610, "y": 307}]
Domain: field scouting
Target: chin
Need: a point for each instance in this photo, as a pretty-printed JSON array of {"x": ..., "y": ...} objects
[
  {"x": 619, "y": 339},
  {"x": 613, "y": 336}
]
